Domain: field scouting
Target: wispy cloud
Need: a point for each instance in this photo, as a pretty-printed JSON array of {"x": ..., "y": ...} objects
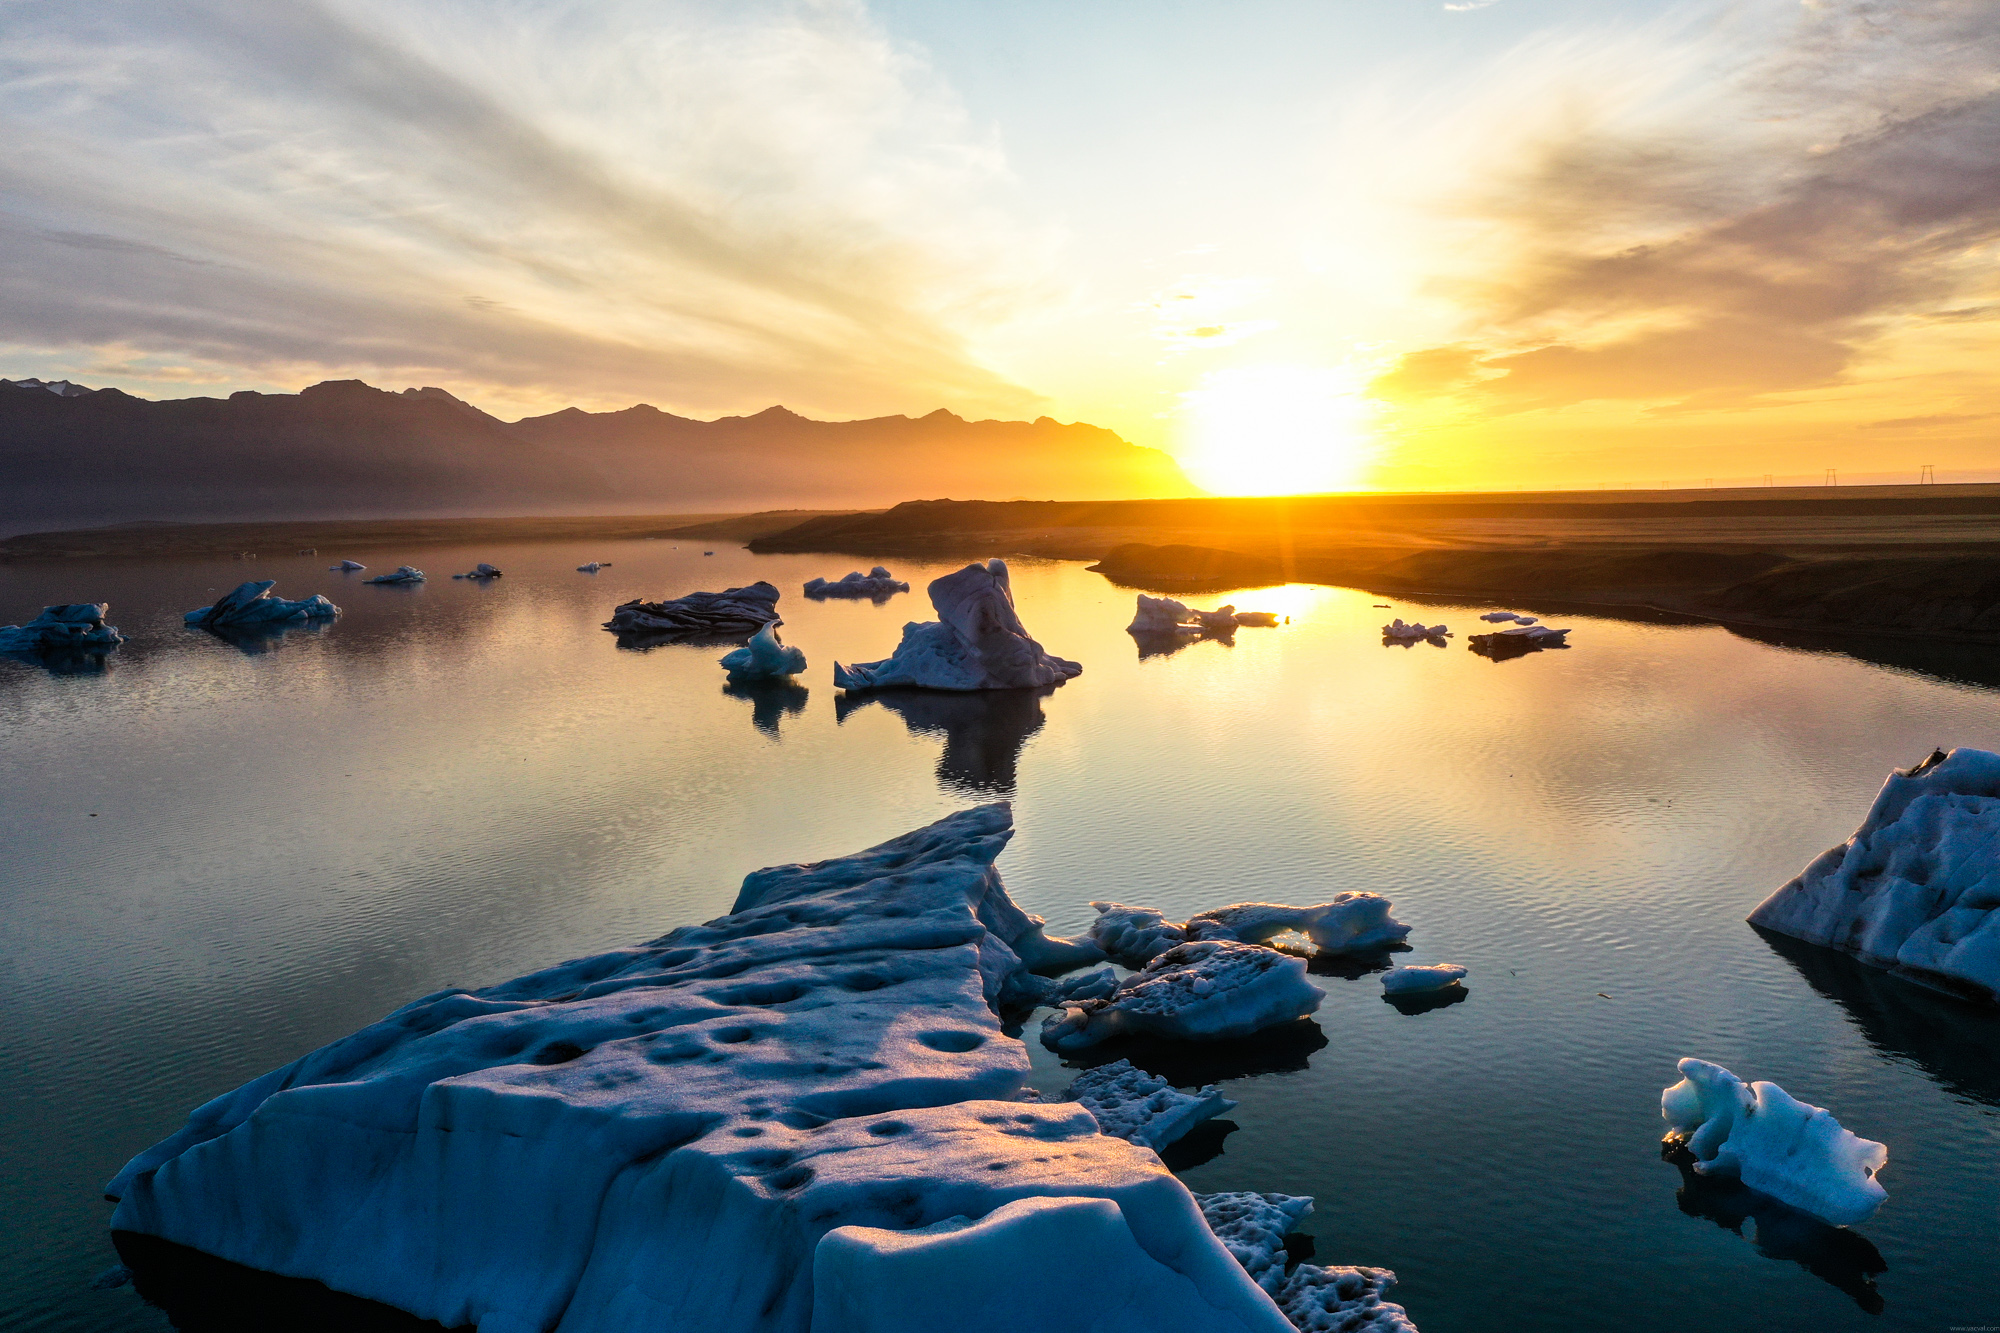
[{"x": 710, "y": 205}]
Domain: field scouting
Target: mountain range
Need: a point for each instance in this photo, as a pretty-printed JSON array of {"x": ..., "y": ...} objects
[{"x": 74, "y": 456}]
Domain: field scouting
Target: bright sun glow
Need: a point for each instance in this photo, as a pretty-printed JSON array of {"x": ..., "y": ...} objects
[{"x": 1276, "y": 430}]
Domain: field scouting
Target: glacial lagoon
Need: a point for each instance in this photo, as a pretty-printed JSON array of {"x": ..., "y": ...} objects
[{"x": 221, "y": 854}]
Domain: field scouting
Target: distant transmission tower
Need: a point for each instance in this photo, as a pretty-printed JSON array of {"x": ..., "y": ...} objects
[
  {"x": 1929, "y": 475},
  {"x": 1832, "y": 477}
]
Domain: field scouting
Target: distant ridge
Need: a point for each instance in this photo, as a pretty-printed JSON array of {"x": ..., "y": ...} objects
[{"x": 74, "y": 456}]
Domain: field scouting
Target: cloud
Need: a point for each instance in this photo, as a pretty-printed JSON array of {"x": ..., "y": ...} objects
[
  {"x": 713, "y": 205},
  {"x": 1826, "y": 183}
]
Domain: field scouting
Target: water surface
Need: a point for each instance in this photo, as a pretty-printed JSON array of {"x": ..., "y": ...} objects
[{"x": 220, "y": 856}]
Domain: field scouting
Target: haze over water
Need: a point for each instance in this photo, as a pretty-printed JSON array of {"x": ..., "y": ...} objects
[{"x": 219, "y": 860}]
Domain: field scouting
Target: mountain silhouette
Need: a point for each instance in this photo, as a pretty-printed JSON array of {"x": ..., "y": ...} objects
[{"x": 345, "y": 448}]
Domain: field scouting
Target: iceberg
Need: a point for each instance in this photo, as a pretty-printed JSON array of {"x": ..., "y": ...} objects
[
  {"x": 977, "y": 642},
  {"x": 403, "y": 574},
  {"x": 1502, "y": 617},
  {"x": 251, "y": 606},
  {"x": 877, "y": 582},
  {"x": 732, "y": 611},
  {"x": 1398, "y": 632},
  {"x": 1914, "y": 890},
  {"x": 1418, "y": 979},
  {"x": 347, "y": 566},
  {"x": 666, "y": 1138},
  {"x": 1516, "y": 642},
  {"x": 1760, "y": 1134},
  {"x": 593, "y": 567},
  {"x": 480, "y": 571},
  {"x": 1353, "y": 922},
  {"x": 1141, "y": 1108},
  {"x": 1204, "y": 990},
  {"x": 73, "y": 629},
  {"x": 1164, "y": 616},
  {"x": 1253, "y": 1228},
  {"x": 764, "y": 657}
]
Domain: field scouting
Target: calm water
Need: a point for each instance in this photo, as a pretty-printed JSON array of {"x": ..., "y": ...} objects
[{"x": 215, "y": 860}]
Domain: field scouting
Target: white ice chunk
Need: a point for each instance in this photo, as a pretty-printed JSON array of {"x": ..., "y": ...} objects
[
  {"x": 977, "y": 642},
  {"x": 1350, "y": 923},
  {"x": 482, "y": 570},
  {"x": 877, "y": 582},
  {"x": 1222, "y": 620},
  {"x": 1414, "y": 978},
  {"x": 1253, "y": 1227},
  {"x": 348, "y": 566},
  {"x": 403, "y": 574},
  {"x": 252, "y": 605},
  {"x": 765, "y": 657},
  {"x": 1204, "y": 990},
  {"x": 742, "y": 610},
  {"x": 1134, "y": 936},
  {"x": 1397, "y": 630},
  {"x": 1915, "y": 888},
  {"x": 73, "y": 626},
  {"x": 1159, "y": 615},
  {"x": 1143, "y": 1108},
  {"x": 1497, "y": 617},
  {"x": 1051, "y": 1265},
  {"x": 1315, "y": 1299},
  {"x": 1796, "y": 1153}
]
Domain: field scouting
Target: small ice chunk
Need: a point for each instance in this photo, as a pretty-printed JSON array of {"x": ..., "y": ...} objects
[
  {"x": 742, "y": 610},
  {"x": 73, "y": 626},
  {"x": 593, "y": 566},
  {"x": 1204, "y": 990},
  {"x": 1134, "y": 936},
  {"x": 1497, "y": 617},
  {"x": 1352, "y": 922},
  {"x": 1222, "y": 620},
  {"x": 253, "y": 606},
  {"x": 482, "y": 570},
  {"x": 877, "y": 582},
  {"x": 403, "y": 574},
  {"x": 976, "y": 643},
  {"x": 1143, "y": 1108},
  {"x": 1416, "y": 978},
  {"x": 765, "y": 657},
  {"x": 1096, "y": 985},
  {"x": 1158, "y": 615},
  {"x": 1403, "y": 633},
  {"x": 347, "y": 566},
  {"x": 1762, "y": 1135}
]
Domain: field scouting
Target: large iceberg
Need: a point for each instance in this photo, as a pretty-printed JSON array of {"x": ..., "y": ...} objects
[
  {"x": 75, "y": 627},
  {"x": 252, "y": 606},
  {"x": 977, "y": 642},
  {"x": 1915, "y": 888},
  {"x": 668, "y": 1137},
  {"x": 732, "y": 611},
  {"x": 1352, "y": 922},
  {"x": 1204, "y": 990},
  {"x": 765, "y": 657},
  {"x": 1253, "y": 1227},
  {"x": 1762, "y": 1135},
  {"x": 877, "y": 582},
  {"x": 1143, "y": 1108}
]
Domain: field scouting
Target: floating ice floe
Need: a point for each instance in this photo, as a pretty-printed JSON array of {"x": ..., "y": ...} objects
[
  {"x": 1915, "y": 888},
  {"x": 1204, "y": 990},
  {"x": 1143, "y": 1108},
  {"x": 1516, "y": 642},
  {"x": 1164, "y": 615},
  {"x": 252, "y": 606},
  {"x": 347, "y": 566},
  {"x": 403, "y": 574},
  {"x": 1315, "y": 1299},
  {"x": 765, "y": 657},
  {"x": 794, "y": 1118},
  {"x": 976, "y": 643},
  {"x": 1416, "y": 979},
  {"x": 742, "y": 610},
  {"x": 1350, "y": 923},
  {"x": 1763, "y": 1136},
  {"x": 1403, "y": 633},
  {"x": 877, "y": 582},
  {"x": 75, "y": 627},
  {"x": 1497, "y": 617},
  {"x": 481, "y": 570}
]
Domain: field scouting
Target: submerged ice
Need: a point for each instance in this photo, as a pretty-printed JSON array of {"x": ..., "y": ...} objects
[
  {"x": 764, "y": 657},
  {"x": 795, "y": 1117},
  {"x": 976, "y": 643},
  {"x": 253, "y": 606},
  {"x": 1915, "y": 888},
  {"x": 1772, "y": 1142}
]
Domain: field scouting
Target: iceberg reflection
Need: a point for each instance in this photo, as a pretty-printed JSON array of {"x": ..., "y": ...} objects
[
  {"x": 770, "y": 701},
  {"x": 983, "y": 731}
]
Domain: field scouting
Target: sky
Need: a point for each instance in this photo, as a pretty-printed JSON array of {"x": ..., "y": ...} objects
[{"x": 1302, "y": 244}]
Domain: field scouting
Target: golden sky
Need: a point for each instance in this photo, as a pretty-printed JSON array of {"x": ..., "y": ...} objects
[{"x": 1388, "y": 243}]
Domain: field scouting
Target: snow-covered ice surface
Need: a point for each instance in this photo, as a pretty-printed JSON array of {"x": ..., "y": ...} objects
[
  {"x": 1143, "y": 1108},
  {"x": 1203, "y": 990},
  {"x": 403, "y": 574},
  {"x": 252, "y": 605},
  {"x": 765, "y": 657},
  {"x": 75, "y": 627},
  {"x": 732, "y": 611},
  {"x": 662, "y": 1137},
  {"x": 877, "y": 582},
  {"x": 1762, "y": 1135},
  {"x": 1353, "y": 922},
  {"x": 1415, "y": 979},
  {"x": 1399, "y": 632},
  {"x": 976, "y": 643},
  {"x": 1315, "y": 1299},
  {"x": 1915, "y": 888}
]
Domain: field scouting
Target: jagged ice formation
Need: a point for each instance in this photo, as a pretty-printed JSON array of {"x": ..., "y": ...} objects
[
  {"x": 976, "y": 643},
  {"x": 253, "y": 606}
]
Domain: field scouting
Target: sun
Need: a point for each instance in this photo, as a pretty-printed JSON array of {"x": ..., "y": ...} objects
[{"x": 1276, "y": 430}]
